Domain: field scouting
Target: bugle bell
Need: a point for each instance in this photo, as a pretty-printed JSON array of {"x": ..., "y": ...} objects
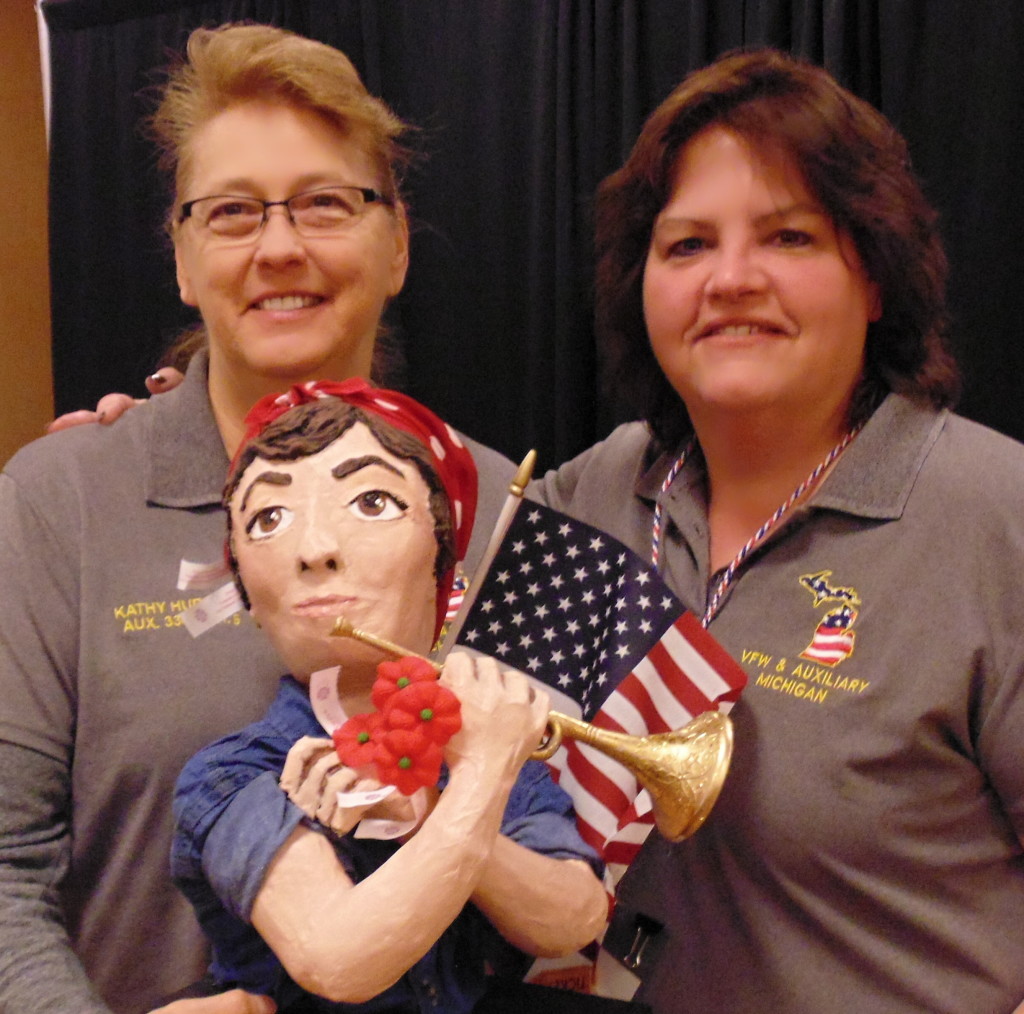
[{"x": 683, "y": 771}]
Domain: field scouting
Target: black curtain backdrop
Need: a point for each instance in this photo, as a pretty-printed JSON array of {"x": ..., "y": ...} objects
[{"x": 523, "y": 106}]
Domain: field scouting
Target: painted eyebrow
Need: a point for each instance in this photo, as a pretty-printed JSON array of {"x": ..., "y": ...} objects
[
  {"x": 351, "y": 465},
  {"x": 271, "y": 479},
  {"x": 346, "y": 468}
]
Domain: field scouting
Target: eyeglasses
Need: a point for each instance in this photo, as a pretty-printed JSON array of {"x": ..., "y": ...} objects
[{"x": 312, "y": 213}]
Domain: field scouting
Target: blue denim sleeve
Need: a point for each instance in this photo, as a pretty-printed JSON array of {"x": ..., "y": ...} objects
[
  {"x": 229, "y": 832},
  {"x": 245, "y": 838},
  {"x": 540, "y": 817}
]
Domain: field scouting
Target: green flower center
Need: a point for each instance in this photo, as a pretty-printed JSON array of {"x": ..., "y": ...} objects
[
  {"x": 404, "y": 763},
  {"x": 402, "y": 682},
  {"x": 363, "y": 737},
  {"x": 427, "y": 714}
]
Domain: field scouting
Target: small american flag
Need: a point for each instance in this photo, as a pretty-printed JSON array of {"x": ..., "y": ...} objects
[
  {"x": 455, "y": 599},
  {"x": 596, "y": 625}
]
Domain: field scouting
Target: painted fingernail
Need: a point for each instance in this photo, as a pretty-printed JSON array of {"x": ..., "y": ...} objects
[
  {"x": 158, "y": 378},
  {"x": 100, "y": 416}
]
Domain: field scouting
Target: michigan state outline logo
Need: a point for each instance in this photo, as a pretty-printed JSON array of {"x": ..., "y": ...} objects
[{"x": 833, "y": 638}]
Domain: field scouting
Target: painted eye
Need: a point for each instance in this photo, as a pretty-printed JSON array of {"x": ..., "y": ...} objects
[
  {"x": 377, "y": 505},
  {"x": 268, "y": 521}
]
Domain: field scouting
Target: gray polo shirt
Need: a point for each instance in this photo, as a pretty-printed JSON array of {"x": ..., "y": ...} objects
[
  {"x": 104, "y": 696},
  {"x": 866, "y": 851}
]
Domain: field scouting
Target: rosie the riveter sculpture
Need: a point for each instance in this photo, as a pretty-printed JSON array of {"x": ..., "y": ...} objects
[{"x": 351, "y": 500}]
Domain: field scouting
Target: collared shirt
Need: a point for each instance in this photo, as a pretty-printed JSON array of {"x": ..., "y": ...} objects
[
  {"x": 866, "y": 849},
  {"x": 104, "y": 695}
]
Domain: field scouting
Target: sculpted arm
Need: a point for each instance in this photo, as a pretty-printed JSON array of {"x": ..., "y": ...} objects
[
  {"x": 234, "y": 1001},
  {"x": 542, "y": 905},
  {"x": 351, "y": 941}
]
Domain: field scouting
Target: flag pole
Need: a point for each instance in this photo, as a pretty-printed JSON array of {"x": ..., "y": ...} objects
[{"x": 516, "y": 489}]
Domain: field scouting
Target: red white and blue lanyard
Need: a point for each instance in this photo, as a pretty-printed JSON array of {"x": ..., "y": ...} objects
[{"x": 718, "y": 595}]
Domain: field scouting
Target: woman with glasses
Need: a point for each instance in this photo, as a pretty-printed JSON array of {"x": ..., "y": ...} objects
[{"x": 290, "y": 237}]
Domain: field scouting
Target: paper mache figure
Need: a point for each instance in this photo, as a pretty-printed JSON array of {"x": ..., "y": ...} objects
[{"x": 349, "y": 500}]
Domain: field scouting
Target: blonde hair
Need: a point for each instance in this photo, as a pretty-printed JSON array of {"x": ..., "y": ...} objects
[{"x": 236, "y": 63}]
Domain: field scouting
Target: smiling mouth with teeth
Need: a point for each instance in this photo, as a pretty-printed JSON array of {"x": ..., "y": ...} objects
[
  {"x": 287, "y": 302},
  {"x": 742, "y": 329}
]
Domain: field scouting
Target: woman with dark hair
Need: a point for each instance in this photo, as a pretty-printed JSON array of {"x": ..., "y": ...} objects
[
  {"x": 770, "y": 287},
  {"x": 356, "y": 501},
  {"x": 857, "y": 167}
]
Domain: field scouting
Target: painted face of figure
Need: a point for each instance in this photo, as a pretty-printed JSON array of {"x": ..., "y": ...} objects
[
  {"x": 281, "y": 308},
  {"x": 347, "y": 530},
  {"x": 753, "y": 300}
]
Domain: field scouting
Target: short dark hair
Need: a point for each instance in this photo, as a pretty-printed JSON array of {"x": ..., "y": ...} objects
[
  {"x": 308, "y": 428},
  {"x": 854, "y": 162}
]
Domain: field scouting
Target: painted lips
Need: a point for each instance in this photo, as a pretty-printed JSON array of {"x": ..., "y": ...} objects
[{"x": 326, "y": 605}]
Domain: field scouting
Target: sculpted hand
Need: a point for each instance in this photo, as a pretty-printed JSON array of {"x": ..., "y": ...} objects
[
  {"x": 234, "y": 1001},
  {"x": 400, "y": 809},
  {"x": 503, "y": 713},
  {"x": 112, "y": 406},
  {"x": 313, "y": 776}
]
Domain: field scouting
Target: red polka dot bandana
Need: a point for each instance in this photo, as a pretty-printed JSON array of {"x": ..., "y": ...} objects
[{"x": 451, "y": 460}]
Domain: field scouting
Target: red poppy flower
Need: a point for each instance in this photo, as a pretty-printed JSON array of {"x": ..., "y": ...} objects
[
  {"x": 429, "y": 707},
  {"x": 393, "y": 676},
  {"x": 408, "y": 760},
  {"x": 356, "y": 742}
]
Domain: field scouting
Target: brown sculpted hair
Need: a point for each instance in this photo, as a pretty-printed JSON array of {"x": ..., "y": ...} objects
[
  {"x": 857, "y": 166},
  {"x": 306, "y": 429}
]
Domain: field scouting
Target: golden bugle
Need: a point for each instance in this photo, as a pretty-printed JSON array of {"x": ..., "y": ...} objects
[{"x": 683, "y": 771}]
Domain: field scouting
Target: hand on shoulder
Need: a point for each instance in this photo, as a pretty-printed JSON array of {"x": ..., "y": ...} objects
[{"x": 111, "y": 407}]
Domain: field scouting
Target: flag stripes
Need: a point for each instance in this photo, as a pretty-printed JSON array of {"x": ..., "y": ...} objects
[{"x": 584, "y": 615}]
